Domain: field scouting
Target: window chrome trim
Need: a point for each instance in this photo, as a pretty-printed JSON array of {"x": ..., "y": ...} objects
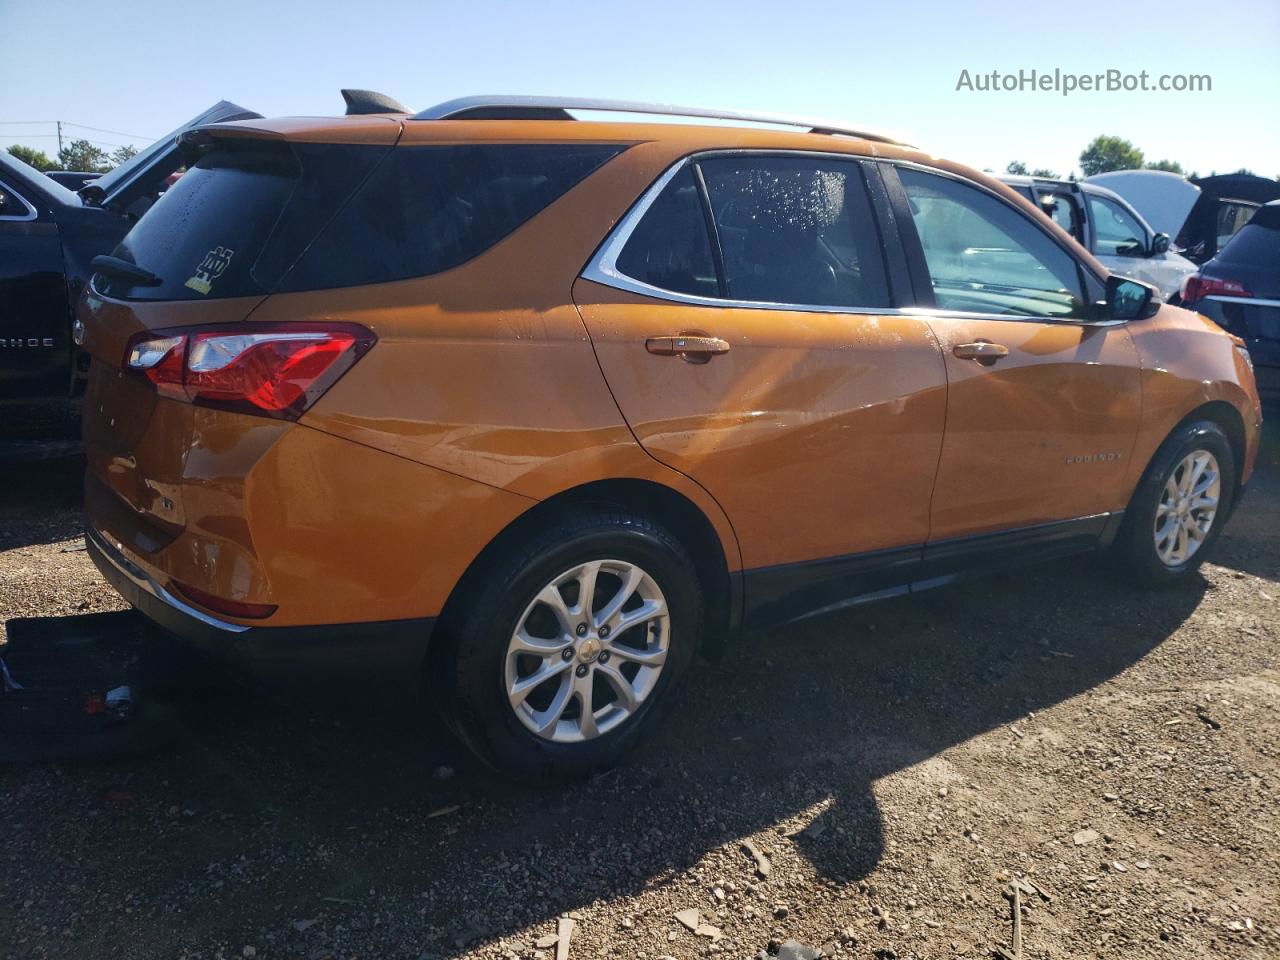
[
  {"x": 27, "y": 217},
  {"x": 1250, "y": 301},
  {"x": 602, "y": 268}
]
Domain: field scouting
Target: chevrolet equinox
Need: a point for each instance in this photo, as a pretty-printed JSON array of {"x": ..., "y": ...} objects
[{"x": 536, "y": 408}]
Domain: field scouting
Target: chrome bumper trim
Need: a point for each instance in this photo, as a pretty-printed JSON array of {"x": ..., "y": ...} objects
[{"x": 143, "y": 581}]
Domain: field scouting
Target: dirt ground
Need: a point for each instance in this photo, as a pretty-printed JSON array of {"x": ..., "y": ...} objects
[{"x": 897, "y": 765}]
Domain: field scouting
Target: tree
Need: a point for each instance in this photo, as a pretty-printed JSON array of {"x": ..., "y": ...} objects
[
  {"x": 1108, "y": 153},
  {"x": 124, "y": 153},
  {"x": 1045, "y": 172},
  {"x": 84, "y": 156},
  {"x": 1017, "y": 168},
  {"x": 1170, "y": 166},
  {"x": 30, "y": 155}
]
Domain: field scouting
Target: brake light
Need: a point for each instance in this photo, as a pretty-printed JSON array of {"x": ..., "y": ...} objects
[
  {"x": 1198, "y": 286},
  {"x": 273, "y": 370}
]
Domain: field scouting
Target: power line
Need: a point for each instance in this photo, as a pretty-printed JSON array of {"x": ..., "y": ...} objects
[
  {"x": 68, "y": 123},
  {"x": 118, "y": 133},
  {"x": 47, "y": 136}
]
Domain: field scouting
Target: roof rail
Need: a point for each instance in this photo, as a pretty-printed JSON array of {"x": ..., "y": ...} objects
[{"x": 558, "y": 108}]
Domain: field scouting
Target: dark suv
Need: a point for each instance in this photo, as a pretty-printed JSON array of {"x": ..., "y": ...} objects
[
  {"x": 48, "y": 236},
  {"x": 1240, "y": 289}
]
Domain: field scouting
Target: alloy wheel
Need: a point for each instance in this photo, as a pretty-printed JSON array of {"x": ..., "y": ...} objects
[
  {"x": 587, "y": 651},
  {"x": 1187, "y": 508}
]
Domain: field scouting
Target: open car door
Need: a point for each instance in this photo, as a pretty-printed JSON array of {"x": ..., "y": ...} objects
[{"x": 145, "y": 172}]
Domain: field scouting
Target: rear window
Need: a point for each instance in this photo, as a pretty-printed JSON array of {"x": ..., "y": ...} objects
[
  {"x": 254, "y": 218},
  {"x": 1258, "y": 242}
]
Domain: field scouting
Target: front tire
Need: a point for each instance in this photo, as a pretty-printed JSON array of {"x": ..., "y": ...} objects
[
  {"x": 565, "y": 650},
  {"x": 1178, "y": 511}
]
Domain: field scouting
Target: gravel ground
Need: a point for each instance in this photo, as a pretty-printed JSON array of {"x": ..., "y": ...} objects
[{"x": 897, "y": 766}]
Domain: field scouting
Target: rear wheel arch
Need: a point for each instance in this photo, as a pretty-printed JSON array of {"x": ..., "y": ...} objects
[{"x": 659, "y": 503}]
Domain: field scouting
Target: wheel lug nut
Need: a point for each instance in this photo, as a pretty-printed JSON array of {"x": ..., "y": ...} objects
[
  {"x": 567, "y": 653},
  {"x": 604, "y": 632},
  {"x": 582, "y": 670},
  {"x": 604, "y": 657},
  {"x": 581, "y": 630}
]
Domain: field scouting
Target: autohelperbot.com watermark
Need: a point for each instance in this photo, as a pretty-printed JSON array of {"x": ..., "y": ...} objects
[{"x": 1065, "y": 83}]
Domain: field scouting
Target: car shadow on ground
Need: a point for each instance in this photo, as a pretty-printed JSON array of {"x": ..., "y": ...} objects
[{"x": 332, "y": 802}]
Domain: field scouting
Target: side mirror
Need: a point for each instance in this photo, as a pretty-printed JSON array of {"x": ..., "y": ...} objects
[
  {"x": 1159, "y": 244},
  {"x": 1129, "y": 299}
]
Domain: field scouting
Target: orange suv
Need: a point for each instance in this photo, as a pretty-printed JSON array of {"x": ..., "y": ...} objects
[{"x": 535, "y": 408}]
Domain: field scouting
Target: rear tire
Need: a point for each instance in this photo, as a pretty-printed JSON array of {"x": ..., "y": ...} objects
[
  {"x": 1181, "y": 504},
  {"x": 608, "y": 673}
]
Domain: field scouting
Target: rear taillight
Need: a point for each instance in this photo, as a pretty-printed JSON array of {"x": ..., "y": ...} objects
[
  {"x": 275, "y": 370},
  {"x": 1198, "y": 286}
]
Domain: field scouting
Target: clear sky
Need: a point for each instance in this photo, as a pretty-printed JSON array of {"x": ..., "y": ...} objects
[{"x": 143, "y": 68}]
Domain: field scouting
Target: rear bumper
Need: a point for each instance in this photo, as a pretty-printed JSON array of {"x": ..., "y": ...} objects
[{"x": 391, "y": 648}]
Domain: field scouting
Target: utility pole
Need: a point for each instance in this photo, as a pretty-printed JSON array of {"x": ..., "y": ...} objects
[{"x": 59, "y": 136}]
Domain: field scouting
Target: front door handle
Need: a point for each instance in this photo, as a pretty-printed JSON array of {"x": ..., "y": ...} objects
[
  {"x": 693, "y": 349},
  {"x": 984, "y": 351}
]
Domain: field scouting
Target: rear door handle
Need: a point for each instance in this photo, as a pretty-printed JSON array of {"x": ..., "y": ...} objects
[
  {"x": 984, "y": 351},
  {"x": 695, "y": 349}
]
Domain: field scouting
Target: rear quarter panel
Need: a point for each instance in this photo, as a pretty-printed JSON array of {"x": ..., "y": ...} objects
[{"x": 486, "y": 371}]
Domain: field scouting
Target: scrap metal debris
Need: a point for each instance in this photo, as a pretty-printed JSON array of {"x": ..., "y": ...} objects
[
  {"x": 764, "y": 866},
  {"x": 1014, "y": 893}
]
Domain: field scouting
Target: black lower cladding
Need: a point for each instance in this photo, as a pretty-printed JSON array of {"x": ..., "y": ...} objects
[
  {"x": 391, "y": 647},
  {"x": 779, "y": 594}
]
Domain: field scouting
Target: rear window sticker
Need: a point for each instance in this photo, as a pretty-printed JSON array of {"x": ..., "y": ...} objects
[{"x": 210, "y": 269}]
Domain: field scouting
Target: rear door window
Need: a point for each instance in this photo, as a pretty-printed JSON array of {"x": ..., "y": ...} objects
[
  {"x": 796, "y": 230},
  {"x": 671, "y": 247}
]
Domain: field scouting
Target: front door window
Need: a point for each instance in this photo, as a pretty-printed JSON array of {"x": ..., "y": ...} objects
[{"x": 985, "y": 257}]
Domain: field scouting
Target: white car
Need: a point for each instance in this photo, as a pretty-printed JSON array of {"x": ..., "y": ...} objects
[
  {"x": 1200, "y": 215},
  {"x": 1109, "y": 228}
]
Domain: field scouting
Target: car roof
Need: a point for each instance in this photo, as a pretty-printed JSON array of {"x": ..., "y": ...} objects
[{"x": 734, "y": 131}]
